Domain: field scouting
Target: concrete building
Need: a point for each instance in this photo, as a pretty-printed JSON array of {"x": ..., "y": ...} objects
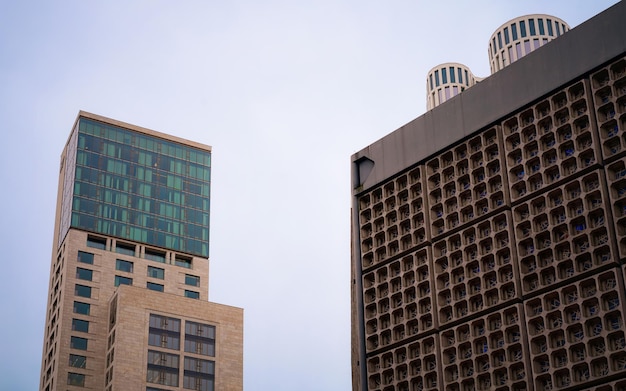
[
  {"x": 488, "y": 240},
  {"x": 128, "y": 299},
  {"x": 510, "y": 42}
]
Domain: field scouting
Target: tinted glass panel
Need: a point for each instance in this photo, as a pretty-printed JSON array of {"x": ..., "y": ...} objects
[
  {"x": 80, "y": 325},
  {"x": 85, "y": 257}
]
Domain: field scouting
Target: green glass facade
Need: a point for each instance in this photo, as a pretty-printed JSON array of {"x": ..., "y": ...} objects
[{"x": 139, "y": 187}]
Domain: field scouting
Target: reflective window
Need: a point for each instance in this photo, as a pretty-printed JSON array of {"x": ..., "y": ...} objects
[
  {"x": 493, "y": 46},
  {"x": 80, "y": 325},
  {"x": 514, "y": 31},
  {"x": 192, "y": 294},
  {"x": 506, "y": 35},
  {"x": 499, "y": 40},
  {"x": 200, "y": 338},
  {"x": 518, "y": 49},
  {"x": 124, "y": 266},
  {"x": 452, "y": 75},
  {"x": 77, "y": 361},
  {"x": 155, "y": 256},
  {"x": 549, "y": 24},
  {"x": 120, "y": 280},
  {"x": 199, "y": 374},
  {"x": 126, "y": 249},
  {"x": 154, "y": 287},
  {"x": 78, "y": 343},
  {"x": 82, "y": 290},
  {"x": 466, "y": 79},
  {"x": 431, "y": 81},
  {"x": 76, "y": 379},
  {"x": 437, "y": 78},
  {"x": 81, "y": 308},
  {"x": 192, "y": 280},
  {"x": 156, "y": 272},
  {"x": 84, "y": 257},
  {"x": 98, "y": 243},
  {"x": 444, "y": 75},
  {"x": 522, "y": 28},
  {"x": 460, "y": 75},
  {"x": 84, "y": 274},
  {"x": 541, "y": 29},
  {"x": 163, "y": 368},
  {"x": 531, "y": 26}
]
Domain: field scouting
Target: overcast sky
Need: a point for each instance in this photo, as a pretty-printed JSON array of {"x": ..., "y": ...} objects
[{"x": 284, "y": 91}]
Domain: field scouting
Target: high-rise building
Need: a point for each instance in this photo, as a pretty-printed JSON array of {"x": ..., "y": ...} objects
[
  {"x": 510, "y": 42},
  {"x": 488, "y": 240},
  {"x": 128, "y": 301}
]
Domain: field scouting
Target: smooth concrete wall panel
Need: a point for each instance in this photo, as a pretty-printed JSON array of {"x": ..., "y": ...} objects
[{"x": 576, "y": 53}]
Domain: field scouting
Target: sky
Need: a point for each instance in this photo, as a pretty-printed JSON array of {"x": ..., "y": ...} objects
[{"x": 284, "y": 91}]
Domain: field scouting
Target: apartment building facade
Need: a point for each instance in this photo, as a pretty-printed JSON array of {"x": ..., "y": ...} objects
[{"x": 128, "y": 299}]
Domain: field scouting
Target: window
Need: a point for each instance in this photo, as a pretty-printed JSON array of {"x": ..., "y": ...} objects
[
  {"x": 78, "y": 343},
  {"x": 192, "y": 294},
  {"x": 76, "y": 379},
  {"x": 522, "y": 28},
  {"x": 444, "y": 76},
  {"x": 556, "y": 28},
  {"x": 183, "y": 262},
  {"x": 123, "y": 266},
  {"x": 198, "y": 374},
  {"x": 518, "y": 49},
  {"x": 99, "y": 243},
  {"x": 466, "y": 79},
  {"x": 452, "y": 75},
  {"x": 192, "y": 280},
  {"x": 77, "y": 361},
  {"x": 541, "y": 29},
  {"x": 511, "y": 58},
  {"x": 514, "y": 31},
  {"x": 126, "y": 249},
  {"x": 431, "y": 81},
  {"x": 156, "y": 272},
  {"x": 84, "y": 274},
  {"x": 200, "y": 339},
  {"x": 80, "y": 325},
  {"x": 493, "y": 45},
  {"x": 85, "y": 257},
  {"x": 155, "y": 287},
  {"x": 120, "y": 280},
  {"x": 164, "y": 332},
  {"x": 82, "y": 290},
  {"x": 506, "y": 36},
  {"x": 526, "y": 46},
  {"x": 437, "y": 78},
  {"x": 155, "y": 256},
  {"x": 81, "y": 308},
  {"x": 460, "y": 75},
  {"x": 549, "y": 23},
  {"x": 499, "y": 40},
  {"x": 163, "y": 368},
  {"x": 531, "y": 26}
]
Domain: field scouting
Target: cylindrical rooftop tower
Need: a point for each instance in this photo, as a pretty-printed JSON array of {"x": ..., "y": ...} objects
[
  {"x": 520, "y": 36},
  {"x": 447, "y": 80}
]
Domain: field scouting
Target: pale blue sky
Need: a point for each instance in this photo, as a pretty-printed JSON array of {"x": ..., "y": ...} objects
[{"x": 284, "y": 91}]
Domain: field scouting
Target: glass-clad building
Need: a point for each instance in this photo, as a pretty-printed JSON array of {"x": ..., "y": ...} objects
[{"x": 137, "y": 186}]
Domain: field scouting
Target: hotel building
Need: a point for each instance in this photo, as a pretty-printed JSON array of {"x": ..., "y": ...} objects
[
  {"x": 488, "y": 235},
  {"x": 128, "y": 301}
]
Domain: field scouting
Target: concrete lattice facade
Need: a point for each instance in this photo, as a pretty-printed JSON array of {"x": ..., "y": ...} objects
[
  {"x": 104, "y": 291},
  {"x": 492, "y": 256}
]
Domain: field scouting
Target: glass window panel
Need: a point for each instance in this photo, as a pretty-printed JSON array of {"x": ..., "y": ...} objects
[
  {"x": 80, "y": 325},
  {"x": 531, "y": 26},
  {"x": 522, "y": 28},
  {"x": 81, "y": 308},
  {"x": 76, "y": 379},
  {"x": 84, "y": 274},
  {"x": 155, "y": 287},
  {"x": 549, "y": 24},
  {"x": 124, "y": 266},
  {"x": 452, "y": 75},
  {"x": 85, "y": 257},
  {"x": 437, "y": 78},
  {"x": 192, "y": 294},
  {"x": 82, "y": 290},
  {"x": 192, "y": 280},
  {"x": 120, "y": 280},
  {"x": 78, "y": 343},
  {"x": 460, "y": 75},
  {"x": 514, "y": 31},
  {"x": 541, "y": 28},
  {"x": 499, "y": 40},
  {"x": 122, "y": 248},
  {"x": 156, "y": 272},
  {"x": 507, "y": 40},
  {"x": 98, "y": 243},
  {"x": 77, "y": 361}
]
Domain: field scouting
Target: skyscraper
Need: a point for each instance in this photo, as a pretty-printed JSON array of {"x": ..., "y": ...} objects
[
  {"x": 128, "y": 299},
  {"x": 488, "y": 241}
]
